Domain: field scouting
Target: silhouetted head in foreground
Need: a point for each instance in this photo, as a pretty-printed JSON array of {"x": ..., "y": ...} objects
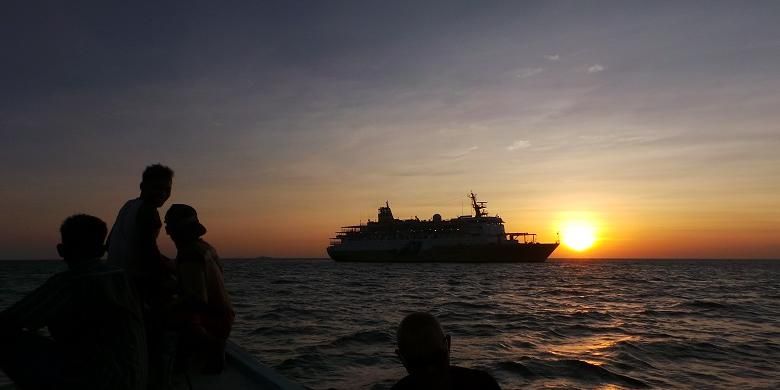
[
  {"x": 182, "y": 224},
  {"x": 156, "y": 184},
  {"x": 422, "y": 345},
  {"x": 83, "y": 238},
  {"x": 424, "y": 350}
]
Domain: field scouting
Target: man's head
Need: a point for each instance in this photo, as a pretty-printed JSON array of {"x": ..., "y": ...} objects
[
  {"x": 156, "y": 184},
  {"x": 182, "y": 224},
  {"x": 83, "y": 238},
  {"x": 422, "y": 345}
]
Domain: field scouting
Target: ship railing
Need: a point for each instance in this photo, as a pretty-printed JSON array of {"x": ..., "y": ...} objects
[{"x": 528, "y": 238}]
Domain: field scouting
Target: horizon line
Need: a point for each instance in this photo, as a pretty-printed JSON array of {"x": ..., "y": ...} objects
[{"x": 260, "y": 258}]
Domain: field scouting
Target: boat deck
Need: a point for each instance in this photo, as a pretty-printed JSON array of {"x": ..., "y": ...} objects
[{"x": 242, "y": 371}]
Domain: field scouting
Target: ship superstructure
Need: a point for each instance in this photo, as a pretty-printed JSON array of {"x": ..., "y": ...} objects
[{"x": 470, "y": 238}]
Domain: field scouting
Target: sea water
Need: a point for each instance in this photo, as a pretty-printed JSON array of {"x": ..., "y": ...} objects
[{"x": 560, "y": 324}]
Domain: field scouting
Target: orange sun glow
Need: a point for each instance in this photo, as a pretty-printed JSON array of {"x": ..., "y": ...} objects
[{"x": 578, "y": 235}]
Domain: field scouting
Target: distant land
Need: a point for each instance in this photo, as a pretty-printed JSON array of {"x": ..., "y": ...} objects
[{"x": 277, "y": 258}]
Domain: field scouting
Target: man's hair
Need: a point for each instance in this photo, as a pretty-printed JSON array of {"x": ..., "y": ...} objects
[
  {"x": 421, "y": 342},
  {"x": 157, "y": 172},
  {"x": 83, "y": 234}
]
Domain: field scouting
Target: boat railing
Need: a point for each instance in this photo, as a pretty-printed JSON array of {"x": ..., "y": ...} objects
[{"x": 528, "y": 238}]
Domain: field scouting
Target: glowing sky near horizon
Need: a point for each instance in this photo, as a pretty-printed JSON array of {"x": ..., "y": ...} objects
[{"x": 657, "y": 123}]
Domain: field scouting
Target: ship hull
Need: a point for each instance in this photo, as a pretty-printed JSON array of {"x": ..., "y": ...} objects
[{"x": 489, "y": 253}]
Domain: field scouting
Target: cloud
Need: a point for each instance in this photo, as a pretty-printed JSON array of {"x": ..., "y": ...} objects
[
  {"x": 460, "y": 153},
  {"x": 424, "y": 172},
  {"x": 553, "y": 57},
  {"x": 596, "y": 68},
  {"x": 523, "y": 73},
  {"x": 519, "y": 144}
]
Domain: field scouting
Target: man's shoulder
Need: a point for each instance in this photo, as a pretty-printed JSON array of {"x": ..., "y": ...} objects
[
  {"x": 134, "y": 209},
  {"x": 406, "y": 382},
  {"x": 460, "y": 378},
  {"x": 147, "y": 214},
  {"x": 469, "y": 378},
  {"x": 193, "y": 252},
  {"x": 145, "y": 207},
  {"x": 57, "y": 280},
  {"x": 100, "y": 273},
  {"x": 100, "y": 268},
  {"x": 202, "y": 248},
  {"x": 134, "y": 203}
]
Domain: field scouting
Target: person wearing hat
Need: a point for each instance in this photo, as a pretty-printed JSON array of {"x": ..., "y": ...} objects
[{"x": 203, "y": 313}]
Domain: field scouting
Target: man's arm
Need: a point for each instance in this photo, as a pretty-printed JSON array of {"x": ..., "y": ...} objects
[
  {"x": 35, "y": 310},
  {"x": 192, "y": 283},
  {"x": 148, "y": 226}
]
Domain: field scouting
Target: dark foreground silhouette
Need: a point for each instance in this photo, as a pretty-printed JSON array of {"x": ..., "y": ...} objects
[
  {"x": 139, "y": 320},
  {"x": 202, "y": 314},
  {"x": 97, "y": 333},
  {"x": 425, "y": 352},
  {"x": 132, "y": 246}
]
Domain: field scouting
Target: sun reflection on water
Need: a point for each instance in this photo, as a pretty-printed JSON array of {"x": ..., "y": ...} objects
[{"x": 593, "y": 347}]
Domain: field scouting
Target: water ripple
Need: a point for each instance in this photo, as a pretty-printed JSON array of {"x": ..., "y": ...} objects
[{"x": 560, "y": 324}]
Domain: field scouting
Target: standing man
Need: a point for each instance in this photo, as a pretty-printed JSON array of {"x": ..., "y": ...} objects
[{"x": 132, "y": 246}]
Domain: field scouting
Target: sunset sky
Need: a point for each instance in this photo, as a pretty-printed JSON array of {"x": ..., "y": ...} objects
[{"x": 656, "y": 123}]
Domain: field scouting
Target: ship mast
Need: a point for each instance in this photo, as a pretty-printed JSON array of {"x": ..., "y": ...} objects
[
  {"x": 479, "y": 207},
  {"x": 385, "y": 214}
]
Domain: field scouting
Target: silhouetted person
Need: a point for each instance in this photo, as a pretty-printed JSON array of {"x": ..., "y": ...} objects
[
  {"x": 97, "y": 333},
  {"x": 204, "y": 311},
  {"x": 425, "y": 352},
  {"x": 132, "y": 246}
]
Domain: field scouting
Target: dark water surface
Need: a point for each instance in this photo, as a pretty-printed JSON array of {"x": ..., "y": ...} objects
[{"x": 560, "y": 324}]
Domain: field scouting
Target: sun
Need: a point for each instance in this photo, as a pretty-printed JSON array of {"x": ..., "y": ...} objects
[{"x": 578, "y": 235}]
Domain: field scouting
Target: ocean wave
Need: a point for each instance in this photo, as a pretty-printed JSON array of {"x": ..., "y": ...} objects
[
  {"x": 579, "y": 330},
  {"x": 285, "y": 281},
  {"x": 635, "y": 362},
  {"x": 515, "y": 368},
  {"x": 677, "y": 350},
  {"x": 665, "y": 313},
  {"x": 577, "y": 370},
  {"x": 701, "y": 304},
  {"x": 467, "y": 305},
  {"x": 287, "y": 330},
  {"x": 552, "y": 333},
  {"x": 364, "y": 337},
  {"x": 306, "y": 362}
]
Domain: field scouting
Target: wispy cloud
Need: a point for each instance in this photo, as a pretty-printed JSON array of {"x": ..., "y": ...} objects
[
  {"x": 424, "y": 172},
  {"x": 519, "y": 144},
  {"x": 596, "y": 68},
  {"x": 552, "y": 57},
  {"x": 523, "y": 73},
  {"x": 460, "y": 153}
]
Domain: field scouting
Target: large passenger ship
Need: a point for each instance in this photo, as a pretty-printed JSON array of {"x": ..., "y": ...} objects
[{"x": 478, "y": 238}]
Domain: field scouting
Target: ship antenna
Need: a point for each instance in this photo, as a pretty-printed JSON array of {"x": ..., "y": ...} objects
[{"x": 479, "y": 207}]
